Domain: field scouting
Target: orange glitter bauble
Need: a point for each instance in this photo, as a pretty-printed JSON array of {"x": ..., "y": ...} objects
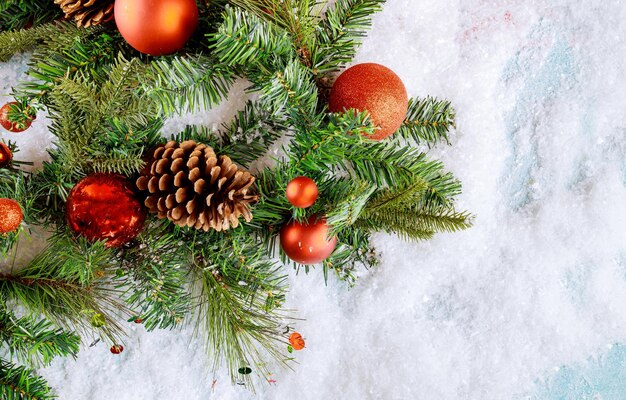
[
  {"x": 302, "y": 192},
  {"x": 373, "y": 88},
  {"x": 6, "y": 155},
  {"x": 296, "y": 341},
  {"x": 156, "y": 27},
  {"x": 105, "y": 207},
  {"x": 307, "y": 243},
  {"x": 11, "y": 215}
]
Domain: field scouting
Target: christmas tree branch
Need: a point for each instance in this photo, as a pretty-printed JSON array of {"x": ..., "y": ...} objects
[
  {"x": 21, "y": 383},
  {"x": 189, "y": 83},
  {"x": 238, "y": 291},
  {"x": 19, "y": 14},
  {"x": 428, "y": 121},
  {"x": 36, "y": 341},
  {"x": 345, "y": 24},
  {"x": 67, "y": 283},
  {"x": 153, "y": 273}
]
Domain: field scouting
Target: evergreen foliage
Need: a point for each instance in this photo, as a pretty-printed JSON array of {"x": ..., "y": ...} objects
[{"x": 107, "y": 105}]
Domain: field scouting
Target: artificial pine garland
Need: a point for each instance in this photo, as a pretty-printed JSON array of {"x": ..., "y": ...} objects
[{"x": 331, "y": 189}]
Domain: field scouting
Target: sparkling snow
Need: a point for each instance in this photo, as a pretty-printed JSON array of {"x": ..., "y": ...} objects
[{"x": 516, "y": 307}]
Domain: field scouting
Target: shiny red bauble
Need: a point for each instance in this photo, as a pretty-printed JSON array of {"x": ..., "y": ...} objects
[
  {"x": 302, "y": 192},
  {"x": 105, "y": 207},
  {"x": 6, "y": 155},
  {"x": 373, "y": 88},
  {"x": 156, "y": 27},
  {"x": 307, "y": 243},
  {"x": 11, "y": 126},
  {"x": 11, "y": 215}
]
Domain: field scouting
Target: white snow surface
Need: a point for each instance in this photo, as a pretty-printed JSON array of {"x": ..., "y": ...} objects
[{"x": 538, "y": 282}]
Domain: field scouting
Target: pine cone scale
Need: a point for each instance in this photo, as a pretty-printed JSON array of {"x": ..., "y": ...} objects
[
  {"x": 188, "y": 184},
  {"x": 87, "y": 13}
]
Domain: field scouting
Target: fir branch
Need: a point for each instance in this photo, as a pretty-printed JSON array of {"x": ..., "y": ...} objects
[
  {"x": 61, "y": 284},
  {"x": 251, "y": 133},
  {"x": 353, "y": 250},
  {"x": 21, "y": 383},
  {"x": 244, "y": 39},
  {"x": 36, "y": 341},
  {"x": 410, "y": 212},
  {"x": 298, "y": 17},
  {"x": 238, "y": 291},
  {"x": 291, "y": 91},
  {"x": 18, "y": 14},
  {"x": 189, "y": 83},
  {"x": 346, "y": 23},
  {"x": 428, "y": 120},
  {"x": 153, "y": 274},
  {"x": 13, "y": 42}
]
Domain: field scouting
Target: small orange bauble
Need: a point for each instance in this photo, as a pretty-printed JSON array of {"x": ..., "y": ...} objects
[
  {"x": 11, "y": 215},
  {"x": 105, "y": 207},
  {"x": 11, "y": 126},
  {"x": 156, "y": 27},
  {"x": 5, "y": 155},
  {"x": 296, "y": 341},
  {"x": 373, "y": 88},
  {"x": 307, "y": 243},
  {"x": 302, "y": 192}
]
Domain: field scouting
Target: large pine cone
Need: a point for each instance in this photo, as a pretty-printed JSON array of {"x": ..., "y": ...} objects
[
  {"x": 188, "y": 184},
  {"x": 87, "y": 13}
]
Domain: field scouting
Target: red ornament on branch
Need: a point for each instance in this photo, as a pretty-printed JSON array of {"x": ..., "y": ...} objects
[
  {"x": 11, "y": 215},
  {"x": 6, "y": 155},
  {"x": 156, "y": 27},
  {"x": 373, "y": 88},
  {"x": 307, "y": 243},
  {"x": 105, "y": 207},
  {"x": 302, "y": 192},
  {"x": 13, "y": 126}
]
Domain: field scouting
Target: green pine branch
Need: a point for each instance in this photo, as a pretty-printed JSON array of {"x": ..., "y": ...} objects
[
  {"x": 291, "y": 91},
  {"x": 345, "y": 24},
  {"x": 238, "y": 292},
  {"x": 69, "y": 283},
  {"x": 428, "y": 121},
  {"x": 36, "y": 341},
  {"x": 19, "y": 14},
  {"x": 411, "y": 212},
  {"x": 21, "y": 383},
  {"x": 187, "y": 83},
  {"x": 251, "y": 133},
  {"x": 153, "y": 273},
  {"x": 243, "y": 39}
]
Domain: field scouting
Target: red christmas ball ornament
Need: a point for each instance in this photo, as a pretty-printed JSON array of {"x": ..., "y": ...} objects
[
  {"x": 156, "y": 27},
  {"x": 373, "y": 88},
  {"x": 6, "y": 155},
  {"x": 117, "y": 349},
  {"x": 11, "y": 215},
  {"x": 12, "y": 126},
  {"x": 307, "y": 243},
  {"x": 302, "y": 192},
  {"x": 105, "y": 207},
  {"x": 296, "y": 341}
]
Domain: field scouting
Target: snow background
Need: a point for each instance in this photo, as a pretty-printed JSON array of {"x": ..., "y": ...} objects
[{"x": 528, "y": 304}]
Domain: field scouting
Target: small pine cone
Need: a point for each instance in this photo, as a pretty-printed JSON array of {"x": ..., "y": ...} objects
[
  {"x": 87, "y": 13},
  {"x": 188, "y": 184}
]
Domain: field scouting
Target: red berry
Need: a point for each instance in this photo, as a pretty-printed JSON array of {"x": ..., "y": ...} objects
[
  {"x": 117, "y": 349},
  {"x": 12, "y": 126}
]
